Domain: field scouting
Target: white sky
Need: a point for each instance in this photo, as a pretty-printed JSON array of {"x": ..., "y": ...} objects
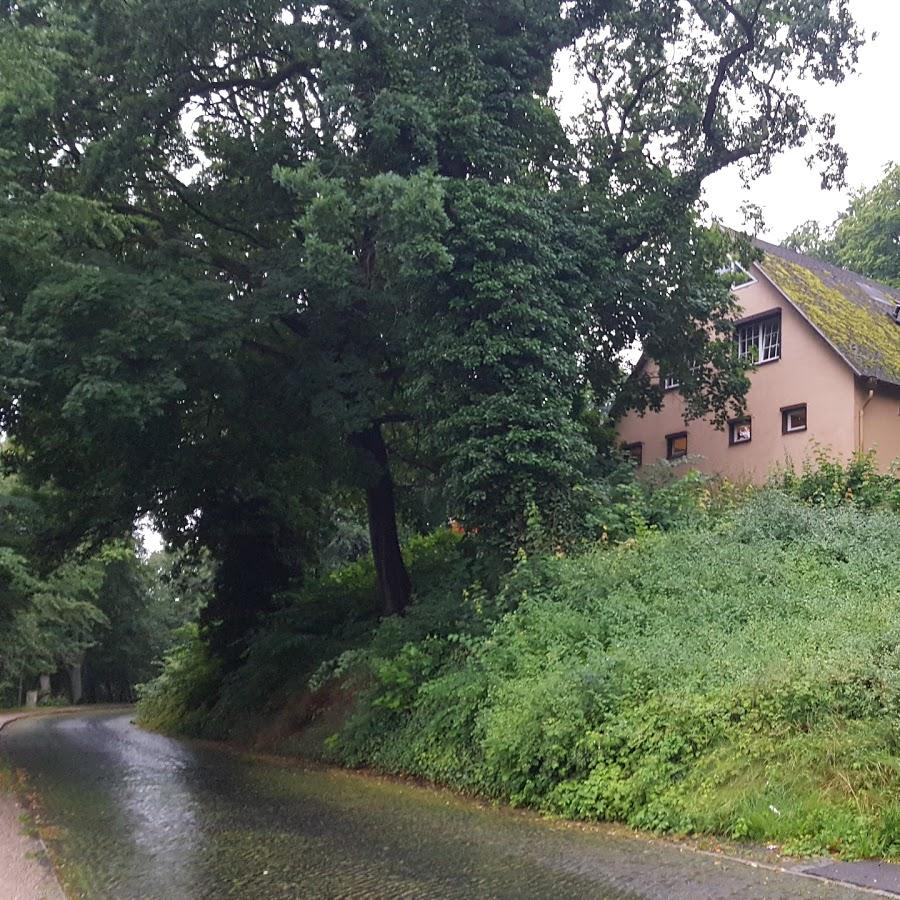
[{"x": 866, "y": 107}]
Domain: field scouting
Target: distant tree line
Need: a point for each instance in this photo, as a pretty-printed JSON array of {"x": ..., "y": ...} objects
[
  {"x": 82, "y": 623},
  {"x": 865, "y": 238}
]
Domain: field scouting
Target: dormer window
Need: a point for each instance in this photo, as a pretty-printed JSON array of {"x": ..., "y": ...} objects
[
  {"x": 739, "y": 277},
  {"x": 760, "y": 339}
]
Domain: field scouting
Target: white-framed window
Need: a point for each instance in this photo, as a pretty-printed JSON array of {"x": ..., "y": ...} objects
[
  {"x": 760, "y": 340},
  {"x": 793, "y": 418},
  {"x": 670, "y": 382},
  {"x": 739, "y": 276},
  {"x": 740, "y": 431}
]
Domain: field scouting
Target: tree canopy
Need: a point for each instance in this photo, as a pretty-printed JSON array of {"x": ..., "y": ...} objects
[
  {"x": 253, "y": 253},
  {"x": 866, "y": 237}
]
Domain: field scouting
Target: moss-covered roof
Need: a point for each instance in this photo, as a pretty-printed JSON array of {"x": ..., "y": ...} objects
[{"x": 853, "y": 313}]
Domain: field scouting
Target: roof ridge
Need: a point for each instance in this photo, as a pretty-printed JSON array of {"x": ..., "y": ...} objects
[{"x": 803, "y": 258}]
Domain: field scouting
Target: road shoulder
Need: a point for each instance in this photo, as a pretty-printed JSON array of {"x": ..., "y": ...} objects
[{"x": 25, "y": 870}]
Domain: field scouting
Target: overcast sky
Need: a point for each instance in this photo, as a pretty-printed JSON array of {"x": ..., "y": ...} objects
[{"x": 867, "y": 117}]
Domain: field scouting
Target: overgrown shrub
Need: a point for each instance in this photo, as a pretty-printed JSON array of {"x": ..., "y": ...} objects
[
  {"x": 724, "y": 660},
  {"x": 179, "y": 699},
  {"x": 740, "y": 677},
  {"x": 314, "y": 622},
  {"x": 825, "y": 481}
]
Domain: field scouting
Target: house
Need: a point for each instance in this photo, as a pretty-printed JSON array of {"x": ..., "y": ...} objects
[{"x": 827, "y": 346}]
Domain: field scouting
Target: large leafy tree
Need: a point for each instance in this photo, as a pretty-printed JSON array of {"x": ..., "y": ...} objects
[
  {"x": 866, "y": 237},
  {"x": 250, "y": 250}
]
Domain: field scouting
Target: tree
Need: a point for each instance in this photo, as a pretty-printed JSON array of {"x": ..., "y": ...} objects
[
  {"x": 809, "y": 238},
  {"x": 145, "y": 603},
  {"x": 104, "y": 615},
  {"x": 438, "y": 267},
  {"x": 866, "y": 237},
  {"x": 48, "y": 617}
]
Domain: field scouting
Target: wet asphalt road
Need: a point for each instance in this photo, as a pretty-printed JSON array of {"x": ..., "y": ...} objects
[{"x": 150, "y": 817}]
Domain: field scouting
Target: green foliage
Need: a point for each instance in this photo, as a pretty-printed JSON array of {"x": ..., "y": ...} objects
[
  {"x": 738, "y": 677},
  {"x": 865, "y": 237},
  {"x": 825, "y": 481},
  {"x": 387, "y": 232},
  {"x": 102, "y": 607},
  {"x": 145, "y": 603},
  {"x": 668, "y": 495},
  {"x": 48, "y": 608},
  {"x": 179, "y": 699},
  {"x": 313, "y": 623}
]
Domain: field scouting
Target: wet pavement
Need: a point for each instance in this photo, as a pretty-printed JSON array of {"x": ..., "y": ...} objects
[
  {"x": 150, "y": 817},
  {"x": 879, "y": 876}
]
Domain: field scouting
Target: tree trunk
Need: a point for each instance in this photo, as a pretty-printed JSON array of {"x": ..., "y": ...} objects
[
  {"x": 394, "y": 584},
  {"x": 249, "y": 539},
  {"x": 75, "y": 679},
  {"x": 45, "y": 686}
]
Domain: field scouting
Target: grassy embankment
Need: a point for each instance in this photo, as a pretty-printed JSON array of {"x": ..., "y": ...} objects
[{"x": 737, "y": 674}]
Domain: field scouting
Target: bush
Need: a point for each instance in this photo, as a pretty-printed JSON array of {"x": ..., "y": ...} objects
[
  {"x": 315, "y": 622},
  {"x": 741, "y": 677},
  {"x": 178, "y": 700},
  {"x": 825, "y": 481}
]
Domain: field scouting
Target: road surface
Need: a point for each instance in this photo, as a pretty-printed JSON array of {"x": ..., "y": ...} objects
[{"x": 144, "y": 816}]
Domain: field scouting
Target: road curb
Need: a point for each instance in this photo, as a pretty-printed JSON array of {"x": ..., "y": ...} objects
[
  {"x": 17, "y": 804},
  {"x": 9, "y": 718}
]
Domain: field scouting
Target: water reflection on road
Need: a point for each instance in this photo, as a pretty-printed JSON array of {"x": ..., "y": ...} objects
[{"x": 149, "y": 817}]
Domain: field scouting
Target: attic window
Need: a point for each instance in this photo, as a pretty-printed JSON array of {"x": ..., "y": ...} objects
[
  {"x": 670, "y": 382},
  {"x": 760, "y": 339},
  {"x": 740, "y": 277}
]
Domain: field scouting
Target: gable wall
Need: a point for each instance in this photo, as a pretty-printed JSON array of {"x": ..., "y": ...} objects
[{"x": 809, "y": 371}]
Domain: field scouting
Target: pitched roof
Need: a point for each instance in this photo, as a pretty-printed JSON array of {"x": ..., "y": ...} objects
[{"x": 852, "y": 312}]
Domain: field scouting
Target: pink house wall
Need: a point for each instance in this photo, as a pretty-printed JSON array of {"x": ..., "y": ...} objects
[
  {"x": 809, "y": 371},
  {"x": 880, "y": 424}
]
